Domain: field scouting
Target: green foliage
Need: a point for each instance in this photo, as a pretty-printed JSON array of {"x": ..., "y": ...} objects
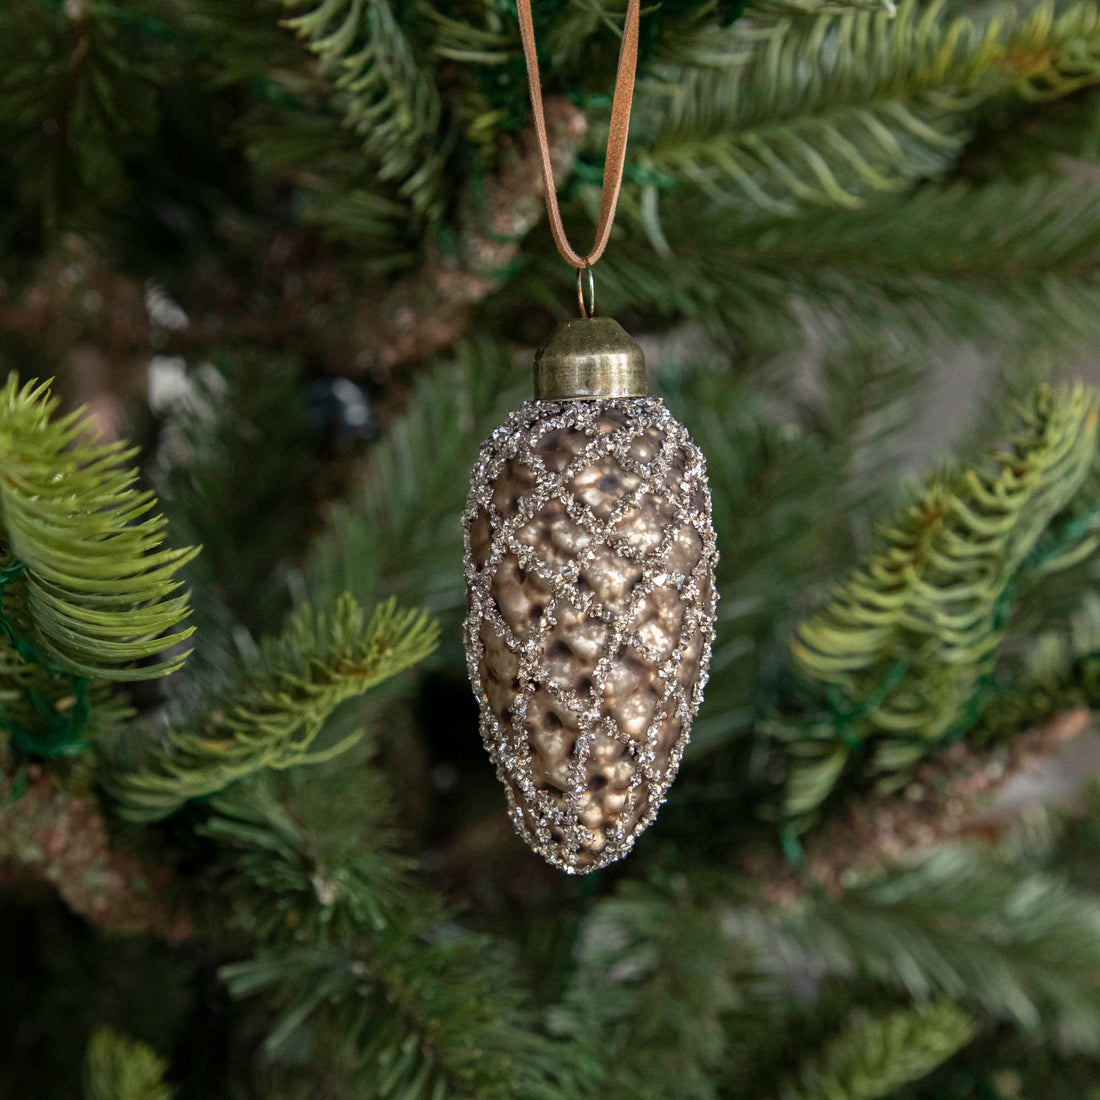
[
  {"x": 271, "y": 716},
  {"x": 118, "y": 1068},
  {"x": 398, "y": 533},
  {"x": 1015, "y": 144},
  {"x": 411, "y": 1019},
  {"x": 905, "y": 643},
  {"x": 338, "y": 879},
  {"x": 381, "y": 90},
  {"x": 47, "y": 713},
  {"x": 770, "y": 469},
  {"x": 375, "y": 992},
  {"x": 999, "y": 1067},
  {"x": 874, "y": 1055},
  {"x": 1052, "y": 671},
  {"x": 963, "y": 924},
  {"x": 887, "y": 100},
  {"x": 823, "y": 174},
  {"x": 75, "y": 103},
  {"x": 958, "y": 260},
  {"x": 773, "y": 474},
  {"x": 251, "y": 508},
  {"x": 286, "y": 125},
  {"x": 89, "y": 582},
  {"x": 1050, "y": 655},
  {"x": 657, "y": 974},
  {"x": 823, "y": 7},
  {"x": 961, "y": 935}
]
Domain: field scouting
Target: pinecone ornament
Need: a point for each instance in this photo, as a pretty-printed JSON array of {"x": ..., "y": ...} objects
[{"x": 590, "y": 560}]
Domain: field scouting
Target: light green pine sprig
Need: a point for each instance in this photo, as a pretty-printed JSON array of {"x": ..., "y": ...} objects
[
  {"x": 271, "y": 716},
  {"x": 904, "y": 644},
  {"x": 118, "y": 1068},
  {"x": 873, "y": 1056},
  {"x": 89, "y": 585}
]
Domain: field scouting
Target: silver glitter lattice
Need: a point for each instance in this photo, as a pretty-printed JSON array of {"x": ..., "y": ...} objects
[{"x": 590, "y": 559}]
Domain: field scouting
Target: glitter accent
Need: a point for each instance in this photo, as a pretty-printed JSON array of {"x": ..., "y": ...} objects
[{"x": 590, "y": 560}]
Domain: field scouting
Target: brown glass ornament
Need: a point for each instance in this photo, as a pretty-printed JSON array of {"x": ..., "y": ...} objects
[{"x": 590, "y": 560}]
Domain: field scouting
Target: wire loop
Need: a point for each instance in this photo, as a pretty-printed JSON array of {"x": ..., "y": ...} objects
[{"x": 587, "y": 311}]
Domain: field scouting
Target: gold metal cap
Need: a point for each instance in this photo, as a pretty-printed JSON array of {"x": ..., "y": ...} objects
[{"x": 589, "y": 358}]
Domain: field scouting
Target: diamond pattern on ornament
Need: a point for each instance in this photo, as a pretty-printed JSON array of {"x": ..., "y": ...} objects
[{"x": 590, "y": 557}]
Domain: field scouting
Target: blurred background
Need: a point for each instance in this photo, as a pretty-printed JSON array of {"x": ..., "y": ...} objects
[{"x": 297, "y": 252}]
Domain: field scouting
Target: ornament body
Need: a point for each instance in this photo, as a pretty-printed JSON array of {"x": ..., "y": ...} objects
[{"x": 590, "y": 558}]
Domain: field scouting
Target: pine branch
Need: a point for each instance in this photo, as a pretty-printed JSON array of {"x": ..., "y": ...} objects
[
  {"x": 409, "y": 320},
  {"x": 118, "y": 1068},
  {"x": 402, "y": 1019},
  {"x": 1040, "y": 138},
  {"x": 1000, "y": 261},
  {"x": 88, "y": 582},
  {"x": 1051, "y": 650},
  {"x": 250, "y": 505},
  {"x": 50, "y": 713},
  {"x": 382, "y": 90},
  {"x": 958, "y": 795},
  {"x": 804, "y": 476},
  {"x": 831, "y": 111},
  {"x": 781, "y": 480},
  {"x": 302, "y": 145},
  {"x": 374, "y": 992},
  {"x": 61, "y": 838},
  {"x": 904, "y": 644},
  {"x": 274, "y": 712},
  {"x": 872, "y": 1056},
  {"x": 398, "y": 535},
  {"x": 288, "y": 124},
  {"x": 1045, "y": 225},
  {"x": 794, "y": 8},
  {"x": 423, "y": 314},
  {"x": 657, "y": 973},
  {"x": 75, "y": 104},
  {"x": 994, "y": 1062},
  {"x": 1048, "y": 673},
  {"x": 340, "y": 876},
  {"x": 966, "y": 926},
  {"x": 1062, "y": 565}
]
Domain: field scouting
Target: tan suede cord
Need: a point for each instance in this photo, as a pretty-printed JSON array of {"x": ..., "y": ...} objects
[{"x": 616, "y": 141}]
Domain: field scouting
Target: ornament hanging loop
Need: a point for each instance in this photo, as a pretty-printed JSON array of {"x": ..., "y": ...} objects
[
  {"x": 615, "y": 159},
  {"x": 588, "y": 310}
]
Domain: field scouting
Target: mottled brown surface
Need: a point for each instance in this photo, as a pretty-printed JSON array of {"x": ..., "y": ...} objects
[{"x": 590, "y": 584}]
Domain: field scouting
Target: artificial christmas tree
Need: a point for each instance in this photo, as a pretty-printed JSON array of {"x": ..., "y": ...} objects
[{"x": 858, "y": 242}]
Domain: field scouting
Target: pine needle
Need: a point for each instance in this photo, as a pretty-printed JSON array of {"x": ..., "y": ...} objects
[
  {"x": 962, "y": 924},
  {"x": 831, "y": 110},
  {"x": 875, "y": 1055},
  {"x": 118, "y": 1068},
  {"x": 905, "y": 642},
  {"x": 271, "y": 717},
  {"x": 381, "y": 89},
  {"x": 96, "y": 589}
]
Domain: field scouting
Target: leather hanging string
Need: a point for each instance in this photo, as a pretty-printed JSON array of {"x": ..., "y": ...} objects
[{"x": 616, "y": 140}]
